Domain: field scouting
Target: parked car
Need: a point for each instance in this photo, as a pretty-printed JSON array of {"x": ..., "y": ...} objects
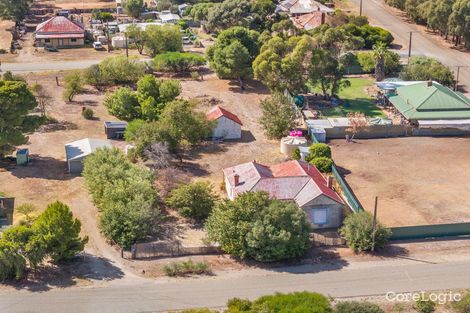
[
  {"x": 51, "y": 49},
  {"x": 97, "y": 45},
  {"x": 186, "y": 40}
]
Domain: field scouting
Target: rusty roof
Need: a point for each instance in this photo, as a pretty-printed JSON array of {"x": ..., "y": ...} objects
[
  {"x": 217, "y": 112},
  {"x": 58, "y": 25},
  {"x": 292, "y": 180}
]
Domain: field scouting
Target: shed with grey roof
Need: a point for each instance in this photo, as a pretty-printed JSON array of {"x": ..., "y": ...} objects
[
  {"x": 115, "y": 130},
  {"x": 77, "y": 151}
]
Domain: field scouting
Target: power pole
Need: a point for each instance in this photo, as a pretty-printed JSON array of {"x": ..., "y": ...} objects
[
  {"x": 360, "y": 9},
  {"x": 409, "y": 47},
  {"x": 456, "y": 87},
  {"x": 374, "y": 224},
  {"x": 127, "y": 46}
]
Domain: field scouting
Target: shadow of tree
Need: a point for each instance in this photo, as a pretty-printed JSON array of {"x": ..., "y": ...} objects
[
  {"x": 42, "y": 167},
  {"x": 317, "y": 259},
  {"x": 249, "y": 86},
  {"x": 84, "y": 267}
]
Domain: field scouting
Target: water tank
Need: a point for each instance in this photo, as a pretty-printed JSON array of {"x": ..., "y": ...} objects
[{"x": 290, "y": 143}]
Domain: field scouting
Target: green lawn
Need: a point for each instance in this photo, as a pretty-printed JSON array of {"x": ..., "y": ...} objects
[{"x": 358, "y": 99}]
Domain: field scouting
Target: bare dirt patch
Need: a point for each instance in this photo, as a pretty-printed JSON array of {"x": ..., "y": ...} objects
[
  {"x": 209, "y": 161},
  {"x": 419, "y": 180}
]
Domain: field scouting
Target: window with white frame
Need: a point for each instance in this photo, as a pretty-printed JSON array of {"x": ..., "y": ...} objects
[{"x": 319, "y": 216}]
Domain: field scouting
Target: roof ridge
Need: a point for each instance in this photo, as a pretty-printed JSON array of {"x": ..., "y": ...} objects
[{"x": 427, "y": 98}]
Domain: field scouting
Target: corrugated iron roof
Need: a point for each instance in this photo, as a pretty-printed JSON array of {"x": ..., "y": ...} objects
[
  {"x": 217, "y": 112},
  {"x": 430, "y": 101},
  {"x": 283, "y": 181},
  {"x": 59, "y": 25}
]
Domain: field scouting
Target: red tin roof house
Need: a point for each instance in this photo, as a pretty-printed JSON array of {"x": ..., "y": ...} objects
[
  {"x": 296, "y": 181},
  {"x": 60, "y": 32}
]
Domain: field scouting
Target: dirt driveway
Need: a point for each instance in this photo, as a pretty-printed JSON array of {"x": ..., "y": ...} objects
[{"x": 419, "y": 180}]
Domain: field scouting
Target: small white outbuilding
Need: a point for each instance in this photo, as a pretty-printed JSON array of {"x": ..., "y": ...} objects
[
  {"x": 228, "y": 124},
  {"x": 77, "y": 151}
]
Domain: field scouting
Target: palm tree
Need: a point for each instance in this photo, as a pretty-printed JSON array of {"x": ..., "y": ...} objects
[{"x": 380, "y": 50}]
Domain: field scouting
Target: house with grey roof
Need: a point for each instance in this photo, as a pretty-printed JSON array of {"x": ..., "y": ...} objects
[
  {"x": 296, "y": 181},
  {"x": 77, "y": 151}
]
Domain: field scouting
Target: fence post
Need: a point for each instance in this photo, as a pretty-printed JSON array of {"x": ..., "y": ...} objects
[{"x": 133, "y": 251}]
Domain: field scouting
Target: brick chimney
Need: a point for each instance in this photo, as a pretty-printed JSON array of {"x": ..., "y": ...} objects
[
  {"x": 329, "y": 181},
  {"x": 236, "y": 180},
  {"x": 429, "y": 83}
]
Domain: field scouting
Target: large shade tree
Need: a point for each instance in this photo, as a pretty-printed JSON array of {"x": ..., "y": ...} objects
[
  {"x": 14, "y": 9},
  {"x": 16, "y": 104}
]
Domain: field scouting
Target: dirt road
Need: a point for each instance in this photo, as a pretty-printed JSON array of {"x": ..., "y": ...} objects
[{"x": 422, "y": 43}]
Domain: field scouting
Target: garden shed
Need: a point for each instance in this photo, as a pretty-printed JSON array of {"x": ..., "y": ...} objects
[
  {"x": 22, "y": 157},
  {"x": 115, "y": 130},
  {"x": 78, "y": 150},
  {"x": 228, "y": 124}
]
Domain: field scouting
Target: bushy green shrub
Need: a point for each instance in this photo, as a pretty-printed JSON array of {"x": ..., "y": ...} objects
[
  {"x": 186, "y": 268},
  {"x": 318, "y": 150},
  {"x": 426, "y": 68},
  {"x": 357, "y": 230},
  {"x": 194, "y": 200},
  {"x": 120, "y": 70},
  {"x": 87, "y": 113},
  {"x": 125, "y": 195},
  {"x": 178, "y": 61},
  {"x": 391, "y": 61},
  {"x": 323, "y": 164},
  {"x": 463, "y": 306},
  {"x": 357, "y": 307},
  {"x": 296, "y": 154},
  {"x": 255, "y": 226},
  {"x": 425, "y": 305},
  {"x": 293, "y": 302}
]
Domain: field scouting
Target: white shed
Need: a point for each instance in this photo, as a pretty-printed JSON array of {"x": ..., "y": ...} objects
[
  {"x": 228, "y": 124},
  {"x": 77, "y": 151}
]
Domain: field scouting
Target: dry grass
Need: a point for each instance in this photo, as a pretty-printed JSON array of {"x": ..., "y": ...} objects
[{"x": 419, "y": 180}]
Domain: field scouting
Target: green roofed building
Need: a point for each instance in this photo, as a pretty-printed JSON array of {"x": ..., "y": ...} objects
[{"x": 430, "y": 101}]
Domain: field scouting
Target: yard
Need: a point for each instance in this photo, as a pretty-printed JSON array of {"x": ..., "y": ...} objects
[
  {"x": 356, "y": 99},
  {"x": 418, "y": 180}
]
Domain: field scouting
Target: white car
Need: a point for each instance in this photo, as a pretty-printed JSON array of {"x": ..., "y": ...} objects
[{"x": 97, "y": 45}]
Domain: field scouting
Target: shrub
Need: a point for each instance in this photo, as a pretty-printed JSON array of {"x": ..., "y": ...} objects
[
  {"x": 357, "y": 307},
  {"x": 87, "y": 113},
  {"x": 255, "y": 226},
  {"x": 121, "y": 70},
  {"x": 323, "y": 164},
  {"x": 193, "y": 200},
  {"x": 73, "y": 86},
  {"x": 58, "y": 232},
  {"x": 186, "y": 268},
  {"x": 296, "y": 154},
  {"x": 426, "y": 68},
  {"x": 357, "y": 230},
  {"x": 391, "y": 61},
  {"x": 278, "y": 116},
  {"x": 318, "y": 150},
  {"x": 124, "y": 193},
  {"x": 463, "y": 306},
  {"x": 425, "y": 305},
  {"x": 195, "y": 75},
  {"x": 177, "y": 61},
  {"x": 293, "y": 302}
]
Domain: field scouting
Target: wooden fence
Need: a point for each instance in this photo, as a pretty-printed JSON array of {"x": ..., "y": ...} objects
[{"x": 161, "y": 249}]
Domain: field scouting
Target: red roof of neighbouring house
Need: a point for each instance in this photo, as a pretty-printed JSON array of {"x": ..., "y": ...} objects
[
  {"x": 310, "y": 20},
  {"x": 291, "y": 180},
  {"x": 59, "y": 26},
  {"x": 217, "y": 112}
]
